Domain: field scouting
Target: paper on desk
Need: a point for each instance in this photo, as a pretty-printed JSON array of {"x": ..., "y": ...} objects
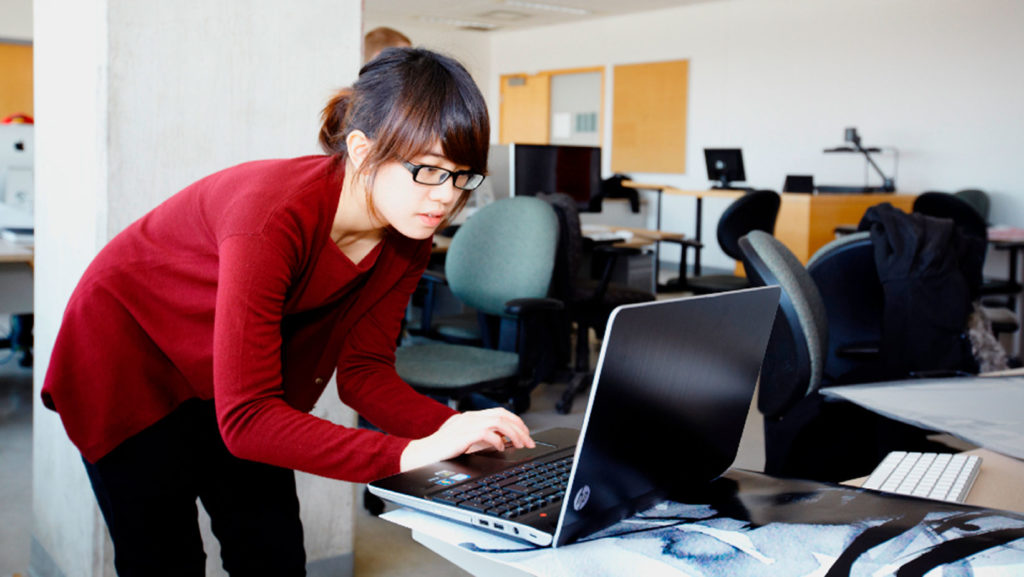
[
  {"x": 588, "y": 558},
  {"x": 985, "y": 411}
]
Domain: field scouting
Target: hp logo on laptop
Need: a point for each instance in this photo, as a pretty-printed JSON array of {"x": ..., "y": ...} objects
[{"x": 582, "y": 496}]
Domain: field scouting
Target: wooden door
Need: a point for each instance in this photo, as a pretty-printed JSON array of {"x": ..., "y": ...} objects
[
  {"x": 15, "y": 79},
  {"x": 525, "y": 102}
]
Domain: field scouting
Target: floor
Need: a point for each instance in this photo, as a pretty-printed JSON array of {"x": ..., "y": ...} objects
[
  {"x": 15, "y": 465},
  {"x": 401, "y": 557}
]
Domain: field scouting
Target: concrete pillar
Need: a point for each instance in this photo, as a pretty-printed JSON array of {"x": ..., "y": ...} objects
[{"x": 134, "y": 100}]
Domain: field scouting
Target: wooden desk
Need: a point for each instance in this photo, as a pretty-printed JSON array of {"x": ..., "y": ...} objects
[
  {"x": 15, "y": 253},
  {"x": 441, "y": 244},
  {"x": 806, "y": 222},
  {"x": 699, "y": 196},
  {"x": 998, "y": 485}
]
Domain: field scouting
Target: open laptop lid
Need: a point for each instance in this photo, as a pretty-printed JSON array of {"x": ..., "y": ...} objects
[{"x": 675, "y": 382}]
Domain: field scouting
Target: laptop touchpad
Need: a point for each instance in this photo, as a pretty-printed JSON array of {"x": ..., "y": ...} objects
[{"x": 514, "y": 454}]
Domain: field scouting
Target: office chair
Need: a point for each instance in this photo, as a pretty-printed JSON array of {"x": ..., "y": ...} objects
[
  {"x": 755, "y": 210},
  {"x": 588, "y": 301},
  {"x": 845, "y": 275},
  {"x": 944, "y": 205},
  {"x": 977, "y": 199},
  {"x": 806, "y": 435},
  {"x": 972, "y": 221},
  {"x": 500, "y": 263}
]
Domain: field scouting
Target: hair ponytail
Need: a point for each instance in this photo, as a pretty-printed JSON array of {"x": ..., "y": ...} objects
[{"x": 333, "y": 121}]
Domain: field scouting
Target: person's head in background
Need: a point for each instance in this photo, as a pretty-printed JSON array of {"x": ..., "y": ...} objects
[
  {"x": 410, "y": 102},
  {"x": 380, "y": 38}
]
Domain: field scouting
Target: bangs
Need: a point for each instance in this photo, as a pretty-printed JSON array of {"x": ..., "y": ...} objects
[{"x": 436, "y": 107}]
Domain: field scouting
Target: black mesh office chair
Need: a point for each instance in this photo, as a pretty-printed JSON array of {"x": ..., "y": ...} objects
[
  {"x": 996, "y": 293},
  {"x": 589, "y": 301},
  {"x": 755, "y": 210}
]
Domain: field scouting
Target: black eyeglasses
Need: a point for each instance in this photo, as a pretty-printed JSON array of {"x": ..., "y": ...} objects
[{"x": 434, "y": 175}]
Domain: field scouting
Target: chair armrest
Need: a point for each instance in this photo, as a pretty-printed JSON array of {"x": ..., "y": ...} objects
[
  {"x": 616, "y": 251},
  {"x": 519, "y": 307},
  {"x": 859, "y": 351},
  {"x": 687, "y": 243},
  {"x": 532, "y": 331},
  {"x": 434, "y": 276}
]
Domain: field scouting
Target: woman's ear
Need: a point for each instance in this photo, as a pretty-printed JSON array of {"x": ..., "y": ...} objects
[{"x": 358, "y": 146}]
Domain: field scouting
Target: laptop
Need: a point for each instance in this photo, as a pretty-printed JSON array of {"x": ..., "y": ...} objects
[{"x": 671, "y": 392}]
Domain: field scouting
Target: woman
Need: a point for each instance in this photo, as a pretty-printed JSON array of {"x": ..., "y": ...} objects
[{"x": 200, "y": 337}]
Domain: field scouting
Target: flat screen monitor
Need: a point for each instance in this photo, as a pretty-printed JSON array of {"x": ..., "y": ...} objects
[
  {"x": 724, "y": 166},
  {"x": 798, "y": 183},
  {"x": 548, "y": 168}
]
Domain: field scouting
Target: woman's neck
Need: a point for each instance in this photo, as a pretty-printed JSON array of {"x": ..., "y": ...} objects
[{"x": 354, "y": 230}]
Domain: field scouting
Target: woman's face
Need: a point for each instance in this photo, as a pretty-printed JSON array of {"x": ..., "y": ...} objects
[{"x": 413, "y": 209}]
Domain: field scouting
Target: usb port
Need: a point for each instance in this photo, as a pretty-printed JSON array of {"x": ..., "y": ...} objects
[
  {"x": 499, "y": 526},
  {"x": 484, "y": 522}
]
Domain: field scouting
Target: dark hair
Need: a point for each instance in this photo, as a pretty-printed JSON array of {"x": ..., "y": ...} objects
[{"x": 405, "y": 101}]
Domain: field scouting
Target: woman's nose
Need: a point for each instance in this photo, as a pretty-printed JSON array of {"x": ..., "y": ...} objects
[{"x": 444, "y": 192}]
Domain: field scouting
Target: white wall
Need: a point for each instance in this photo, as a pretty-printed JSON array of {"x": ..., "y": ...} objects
[
  {"x": 16, "y": 20},
  {"x": 472, "y": 49},
  {"x": 938, "y": 79},
  {"x": 135, "y": 99}
]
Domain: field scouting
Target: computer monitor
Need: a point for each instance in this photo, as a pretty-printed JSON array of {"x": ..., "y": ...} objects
[
  {"x": 17, "y": 160},
  {"x": 798, "y": 183},
  {"x": 725, "y": 166},
  {"x": 548, "y": 168}
]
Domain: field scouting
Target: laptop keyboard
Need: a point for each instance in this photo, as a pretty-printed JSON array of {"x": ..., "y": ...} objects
[{"x": 512, "y": 492}]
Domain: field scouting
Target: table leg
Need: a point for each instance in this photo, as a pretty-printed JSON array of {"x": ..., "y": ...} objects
[
  {"x": 1013, "y": 275},
  {"x": 697, "y": 236},
  {"x": 657, "y": 244}
]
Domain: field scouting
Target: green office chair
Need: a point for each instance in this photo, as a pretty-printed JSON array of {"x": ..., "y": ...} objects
[{"x": 500, "y": 263}]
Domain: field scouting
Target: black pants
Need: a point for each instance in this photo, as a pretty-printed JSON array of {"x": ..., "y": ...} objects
[{"x": 147, "y": 489}]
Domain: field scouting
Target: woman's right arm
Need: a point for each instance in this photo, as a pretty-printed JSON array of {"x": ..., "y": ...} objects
[
  {"x": 466, "y": 433},
  {"x": 255, "y": 421}
]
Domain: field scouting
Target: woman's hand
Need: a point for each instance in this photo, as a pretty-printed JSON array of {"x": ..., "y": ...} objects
[{"x": 465, "y": 433}]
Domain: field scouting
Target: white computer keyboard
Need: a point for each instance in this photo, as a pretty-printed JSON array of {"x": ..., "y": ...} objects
[{"x": 942, "y": 476}]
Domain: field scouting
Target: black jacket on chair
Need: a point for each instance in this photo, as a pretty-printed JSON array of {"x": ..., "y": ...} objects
[{"x": 930, "y": 271}]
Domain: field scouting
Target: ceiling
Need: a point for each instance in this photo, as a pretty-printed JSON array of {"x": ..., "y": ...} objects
[{"x": 494, "y": 15}]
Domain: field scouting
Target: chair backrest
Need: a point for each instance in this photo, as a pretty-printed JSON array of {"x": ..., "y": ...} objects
[
  {"x": 755, "y": 210},
  {"x": 846, "y": 276},
  {"x": 943, "y": 205},
  {"x": 570, "y": 244},
  {"x": 976, "y": 198},
  {"x": 505, "y": 251},
  {"x": 794, "y": 363}
]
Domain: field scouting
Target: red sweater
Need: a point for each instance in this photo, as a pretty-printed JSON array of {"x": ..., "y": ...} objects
[{"x": 233, "y": 290}]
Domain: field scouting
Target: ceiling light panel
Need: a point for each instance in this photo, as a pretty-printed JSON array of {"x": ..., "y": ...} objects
[{"x": 548, "y": 7}]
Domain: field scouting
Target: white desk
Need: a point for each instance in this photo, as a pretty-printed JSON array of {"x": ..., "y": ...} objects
[
  {"x": 764, "y": 526},
  {"x": 985, "y": 411}
]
